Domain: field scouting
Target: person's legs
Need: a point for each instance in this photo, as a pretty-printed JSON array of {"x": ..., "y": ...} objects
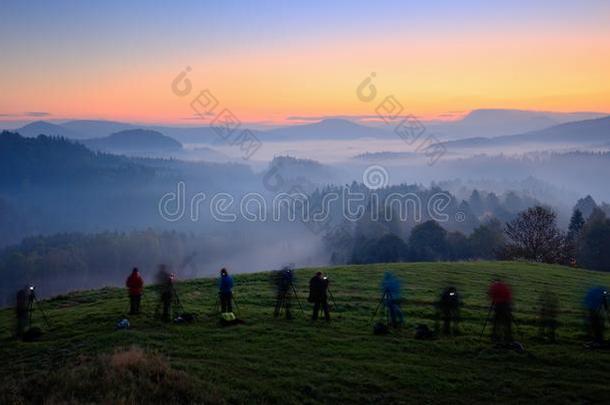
[
  {"x": 507, "y": 323},
  {"x": 133, "y": 304},
  {"x": 326, "y": 310},
  {"x": 446, "y": 321},
  {"x": 278, "y": 305},
  {"x": 223, "y": 302},
  {"x": 455, "y": 320},
  {"x": 167, "y": 310},
  {"x": 316, "y": 310},
  {"x": 229, "y": 302},
  {"x": 495, "y": 324},
  {"x": 22, "y": 322},
  {"x": 597, "y": 326},
  {"x": 138, "y": 301}
]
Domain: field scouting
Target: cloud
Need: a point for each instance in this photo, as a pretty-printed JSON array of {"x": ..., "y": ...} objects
[{"x": 27, "y": 114}]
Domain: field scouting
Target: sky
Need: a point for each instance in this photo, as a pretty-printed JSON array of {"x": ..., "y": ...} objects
[{"x": 268, "y": 61}]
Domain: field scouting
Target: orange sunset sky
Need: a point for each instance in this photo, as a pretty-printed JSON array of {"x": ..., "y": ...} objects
[{"x": 268, "y": 61}]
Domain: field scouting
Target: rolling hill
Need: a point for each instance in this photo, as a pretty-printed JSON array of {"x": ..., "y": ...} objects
[
  {"x": 134, "y": 140},
  {"x": 266, "y": 360}
]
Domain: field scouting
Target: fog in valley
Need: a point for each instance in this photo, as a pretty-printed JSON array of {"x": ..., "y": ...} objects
[{"x": 94, "y": 198}]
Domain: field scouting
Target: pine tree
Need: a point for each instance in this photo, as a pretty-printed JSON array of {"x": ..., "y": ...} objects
[{"x": 576, "y": 223}]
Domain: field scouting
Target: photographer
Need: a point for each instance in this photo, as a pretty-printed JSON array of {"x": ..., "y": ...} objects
[
  {"x": 449, "y": 310},
  {"x": 135, "y": 287},
  {"x": 501, "y": 302},
  {"x": 596, "y": 306},
  {"x": 283, "y": 283},
  {"x": 318, "y": 287},
  {"x": 225, "y": 287},
  {"x": 21, "y": 311},
  {"x": 166, "y": 292}
]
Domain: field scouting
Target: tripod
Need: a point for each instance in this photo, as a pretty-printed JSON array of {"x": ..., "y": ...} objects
[
  {"x": 332, "y": 298},
  {"x": 283, "y": 300},
  {"x": 171, "y": 290},
  {"x": 385, "y": 297},
  {"x": 512, "y": 319},
  {"x": 217, "y": 307},
  {"x": 32, "y": 300}
]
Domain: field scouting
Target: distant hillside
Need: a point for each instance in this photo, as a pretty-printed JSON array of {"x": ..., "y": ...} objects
[
  {"x": 587, "y": 132},
  {"x": 134, "y": 140},
  {"x": 96, "y": 128},
  {"x": 295, "y": 171},
  {"x": 48, "y": 160},
  {"x": 36, "y": 128},
  {"x": 491, "y": 123},
  {"x": 337, "y": 129}
]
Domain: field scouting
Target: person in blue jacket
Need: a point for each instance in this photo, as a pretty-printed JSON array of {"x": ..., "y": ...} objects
[
  {"x": 596, "y": 306},
  {"x": 225, "y": 287}
]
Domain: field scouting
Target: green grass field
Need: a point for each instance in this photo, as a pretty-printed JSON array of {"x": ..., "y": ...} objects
[{"x": 266, "y": 360}]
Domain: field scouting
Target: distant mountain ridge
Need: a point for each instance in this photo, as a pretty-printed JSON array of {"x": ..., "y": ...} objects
[
  {"x": 491, "y": 123},
  {"x": 593, "y": 131},
  {"x": 481, "y": 123},
  {"x": 335, "y": 128},
  {"x": 33, "y": 129}
]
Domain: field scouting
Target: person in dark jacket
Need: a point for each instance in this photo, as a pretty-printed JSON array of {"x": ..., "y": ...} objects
[
  {"x": 449, "y": 311},
  {"x": 167, "y": 293},
  {"x": 318, "y": 288},
  {"x": 225, "y": 291},
  {"x": 21, "y": 309},
  {"x": 501, "y": 300},
  {"x": 283, "y": 281},
  {"x": 135, "y": 287}
]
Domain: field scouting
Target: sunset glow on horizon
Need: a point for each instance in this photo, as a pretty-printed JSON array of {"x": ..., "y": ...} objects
[{"x": 276, "y": 61}]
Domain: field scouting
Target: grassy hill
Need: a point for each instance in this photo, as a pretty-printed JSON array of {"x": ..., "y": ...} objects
[{"x": 83, "y": 359}]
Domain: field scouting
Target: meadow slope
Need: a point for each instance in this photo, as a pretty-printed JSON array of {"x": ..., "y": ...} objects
[{"x": 84, "y": 359}]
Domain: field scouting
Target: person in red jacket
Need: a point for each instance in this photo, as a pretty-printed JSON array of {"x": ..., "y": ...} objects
[
  {"x": 135, "y": 287},
  {"x": 501, "y": 300}
]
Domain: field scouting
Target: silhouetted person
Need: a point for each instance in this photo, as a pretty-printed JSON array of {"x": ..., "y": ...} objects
[
  {"x": 501, "y": 300},
  {"x": 318, "y": 288},
  {"x": 597, "y": 307},
  {"x": 22, "y": 312},
  {"x": 135, "y": 287},
  {"x": 283, "y": 284},
  {"x": 547, "y": 314},
  {"x": 390, "y": 286},
  {"x": 449, "y": 310},
  {"x": 166, "y": 292},
  {"x": 225, "y": 291}
]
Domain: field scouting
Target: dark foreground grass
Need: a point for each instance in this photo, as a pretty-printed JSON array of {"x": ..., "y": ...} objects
[{"x": 83, "y": 359}]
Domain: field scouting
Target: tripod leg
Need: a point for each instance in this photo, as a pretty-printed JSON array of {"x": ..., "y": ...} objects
[
  {"x": 44, "y": 315},
  {"x": 332, "y": 297},
  {"x": 297, "y": 298},
  {"x": 377, "y": 309},
  {"x": 486, "y": 320},
  {"x": 235, "y": 303}
]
